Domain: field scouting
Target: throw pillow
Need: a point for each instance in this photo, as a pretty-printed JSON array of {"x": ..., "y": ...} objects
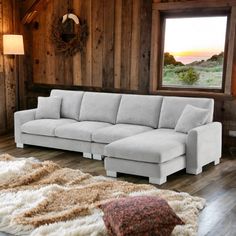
[
  {"x": 190, "y": 118},
  {"x": 141, "y": 215},
  {"x": 48, "y": 108}
]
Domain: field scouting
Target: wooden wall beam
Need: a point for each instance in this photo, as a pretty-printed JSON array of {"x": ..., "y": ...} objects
[
  {"x": 230, "y": 52},
  {"x": 32, "y": 9},
  {"x": 192, "y": 4}
]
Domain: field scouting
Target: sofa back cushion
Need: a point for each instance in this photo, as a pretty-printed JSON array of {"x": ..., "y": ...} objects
[
  {"x": 71, "y": 102},
  {"x": 172, "y": 108},
  {"x": 100, "y": 107},
  {"x": 140, "y": 110}
]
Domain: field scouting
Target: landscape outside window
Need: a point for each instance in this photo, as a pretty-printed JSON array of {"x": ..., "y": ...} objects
[{"x": 194, "y": 52}]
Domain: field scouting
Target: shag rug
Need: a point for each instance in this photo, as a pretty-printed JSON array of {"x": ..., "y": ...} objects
[{"x": 41, "y": 198}]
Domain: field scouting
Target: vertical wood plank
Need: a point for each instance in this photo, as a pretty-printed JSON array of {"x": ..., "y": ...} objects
[
  {"x": 155, "y": 47},
  {"x": 135, "y": 45},
  {"x": 145, "y": 44},
  {"x": 39, "y": 47},
  {"x": 60, "y": 8},
  {"x": 77, "y": 72},
  {"x": 86, "y": 55},
  {"x": 49, "y": 47},
  {"x": 97, "y": 41},
  {"x": 108, "y": 45},
  {"x": 117, "y": 43},
  {"x": 2, "y": 80},
  {"x": 230, "y": 55},
  {"x": 9, "y": 70},
  {"x": 234, "y": 70},
  {"x": 68, "y": 60},
  {"x": 126, "y": 43}
]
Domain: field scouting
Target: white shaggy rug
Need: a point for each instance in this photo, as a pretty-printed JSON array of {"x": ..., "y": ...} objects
[{"x": 40, "y": 198}]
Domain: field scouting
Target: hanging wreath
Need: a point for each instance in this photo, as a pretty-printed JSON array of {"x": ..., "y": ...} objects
[{"x": 69, "y": 34}]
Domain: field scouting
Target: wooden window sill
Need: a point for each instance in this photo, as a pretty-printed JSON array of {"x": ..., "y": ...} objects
[{"x": 217, "y": 96}]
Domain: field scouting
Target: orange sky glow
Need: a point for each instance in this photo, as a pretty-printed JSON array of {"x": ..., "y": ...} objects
[{"x": 195, "y": 38}]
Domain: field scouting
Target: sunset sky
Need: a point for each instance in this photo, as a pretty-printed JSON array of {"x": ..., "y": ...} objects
[{"x": 198, "y": 38}]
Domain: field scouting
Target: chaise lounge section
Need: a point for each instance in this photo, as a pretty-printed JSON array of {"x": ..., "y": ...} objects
[{"x": 134, "y": 133}]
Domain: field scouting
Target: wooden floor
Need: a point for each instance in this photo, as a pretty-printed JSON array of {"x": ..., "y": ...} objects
[{"x": 217, "y": 184}]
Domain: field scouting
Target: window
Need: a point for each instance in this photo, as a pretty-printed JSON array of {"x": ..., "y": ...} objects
[{"x": 193, "y": 52}]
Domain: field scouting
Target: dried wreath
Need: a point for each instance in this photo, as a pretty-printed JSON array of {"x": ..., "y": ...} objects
[{"x": 69, "y": 34}]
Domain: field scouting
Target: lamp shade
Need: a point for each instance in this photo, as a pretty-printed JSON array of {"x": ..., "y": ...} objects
[{"x": 13, "y": 44}]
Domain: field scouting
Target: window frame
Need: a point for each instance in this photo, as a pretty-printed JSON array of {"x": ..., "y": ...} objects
[
  {"x": 189, "y": 15},
  {"x": 160, "y": 12}
]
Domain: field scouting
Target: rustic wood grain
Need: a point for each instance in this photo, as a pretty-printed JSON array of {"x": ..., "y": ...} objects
[
  {"x": 230, "y": 52},
  {"x": 3, "y": 122},
  {"x": 108, "y": 44},
  {"x": 77, "y": 75},
  {"x": 145, "y": 45},
  {"x": 9, "y": 62},
  {"x": 126, "y": 39},
  {"x": 117, "y": 44},
  {"x": 97, "y": 42},
  {"x": 155, "y": 47},
  {"x": 135, "y": 45}
]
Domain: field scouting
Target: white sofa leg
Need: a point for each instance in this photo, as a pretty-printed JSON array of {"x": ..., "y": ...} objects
[
  {"x": 158, "y": 181},
  {"x": 111, "y": 173},
  {"x": 194, "y": 171},
  {"x": 217, "y": 161},
  {"x": 87, "y": 155},
  {"x": 19, "y": 145},
  {"x": 97, "y": 157}
]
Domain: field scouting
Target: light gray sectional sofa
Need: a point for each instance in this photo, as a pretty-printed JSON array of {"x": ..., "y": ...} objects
[{"x": 135, "y": 133}]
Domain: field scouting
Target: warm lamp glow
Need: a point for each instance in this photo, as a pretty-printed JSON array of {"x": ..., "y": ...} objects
[{"x": 13, "y": 44}]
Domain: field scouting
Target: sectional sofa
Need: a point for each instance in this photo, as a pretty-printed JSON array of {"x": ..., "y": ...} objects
[{"x": 134, "y": 133}]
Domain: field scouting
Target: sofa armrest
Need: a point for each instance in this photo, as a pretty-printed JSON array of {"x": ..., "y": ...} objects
[
  {"x": 21, "y": 117},
  {"x": 204, "y": 145}
]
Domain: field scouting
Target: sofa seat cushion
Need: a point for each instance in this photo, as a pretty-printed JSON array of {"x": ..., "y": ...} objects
[
  {"x": 80, "y": 130},
  {"x": 155, "y": 146},
  {"x": 116, "y": 132},
  {"x": 44, "y": 127}
]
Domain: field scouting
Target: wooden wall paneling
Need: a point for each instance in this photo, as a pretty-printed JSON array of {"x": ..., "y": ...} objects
[
  {"x": 2, "y": 79},
  {"x": 26, "y": 65},
  {"x": 234, "y": 70},
  {"x": 230, "y": 52},
  {"x": 68, "y": 73},
  {"x": 135, "y": 45},
  {"x": 177, "y": 5},
  {"x": 19, "y": 60},
  {"x": 39, "y": 48},
  {"x": 60, "y": 8},
  {"x": 117, "y": 43},
  {"x": 86, "y": 56},
  {"x": 97, "y": 42},
  {"x": 145, "y": 45},
  {"x": 155, "y": 47},
  {"x": 108, "y": 44},
  {"x": 49, "y": 53},
  {"x": 126, "y": 39},
  {"x": 9, "y": 70},
  {"x": 77, "y": 75}
]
